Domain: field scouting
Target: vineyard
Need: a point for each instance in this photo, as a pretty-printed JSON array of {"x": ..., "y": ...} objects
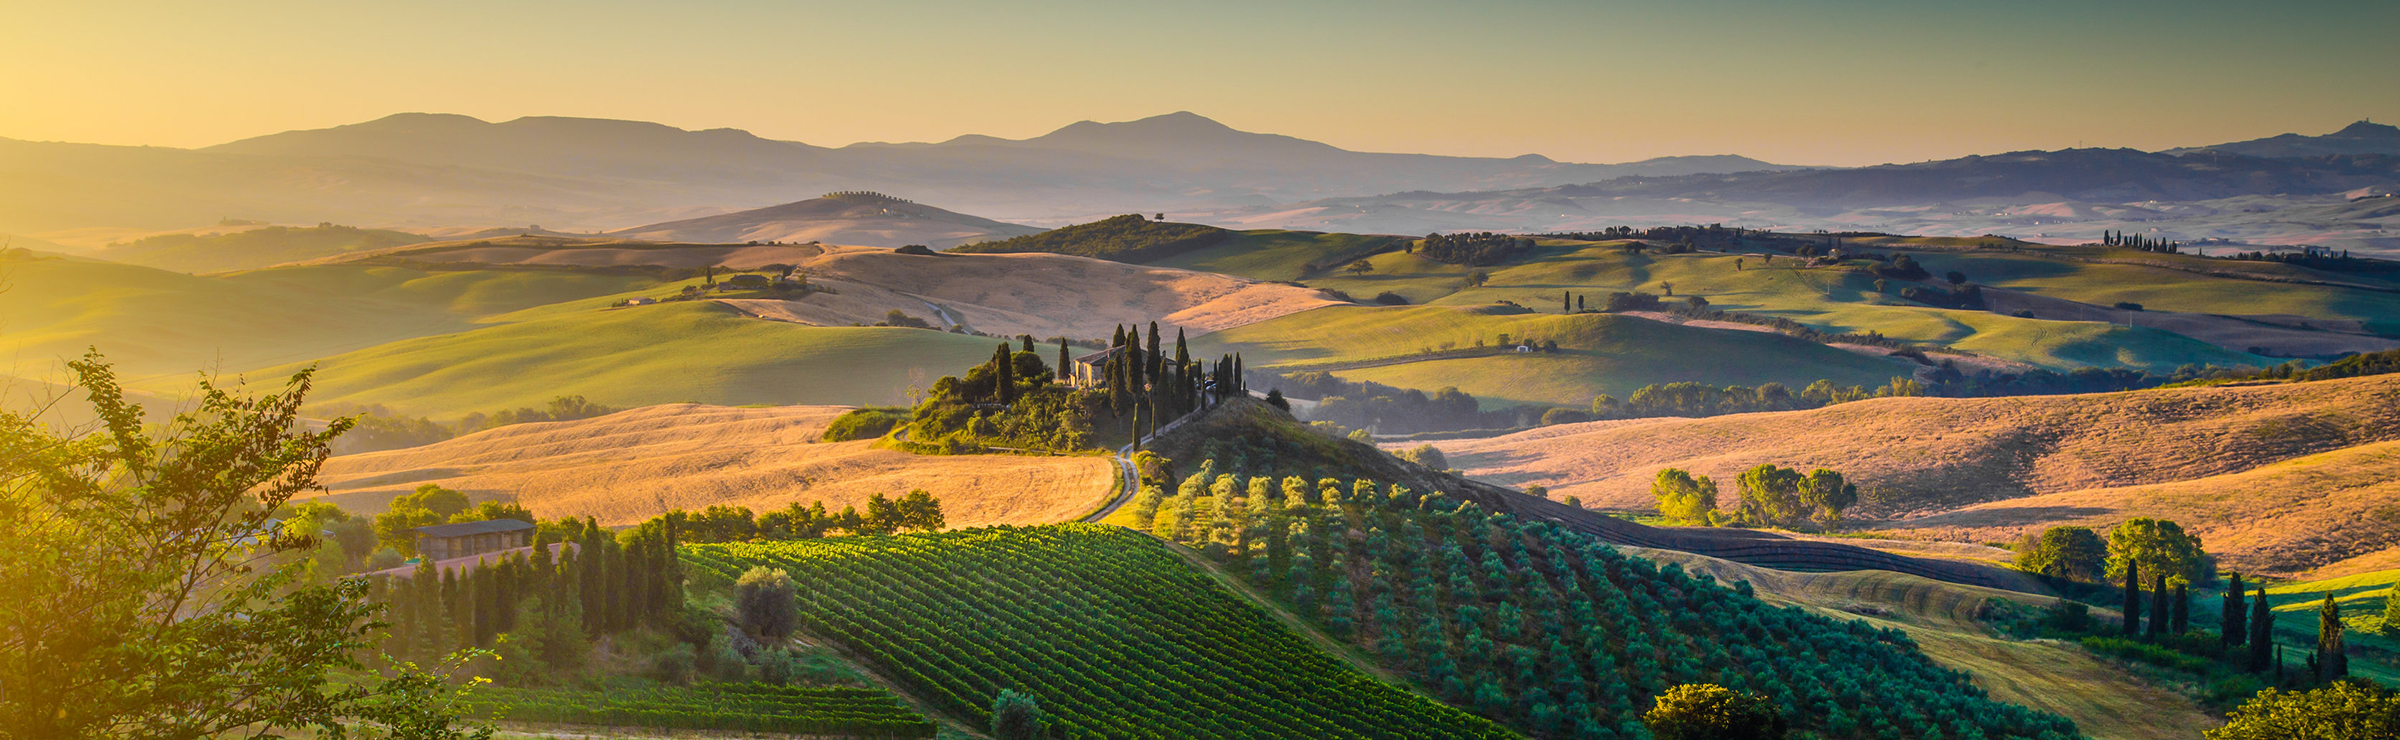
[
  {"x": 849, "y": 712},
  {"x": 1114, "y": 635},
  {"x": 1551, "y": 631}
]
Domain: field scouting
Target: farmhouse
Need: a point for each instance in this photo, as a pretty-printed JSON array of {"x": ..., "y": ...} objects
[
  {"x": 1089, "y": 370},
  {"x": 445, "y": 541}
]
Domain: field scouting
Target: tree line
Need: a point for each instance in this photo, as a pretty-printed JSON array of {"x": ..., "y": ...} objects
[
  {"x": 1768, "y": 496},
  {"x": 378, "y": 428},
  {"x": 1016, "y": 399},
  {"x": 1473, "y": 249}
]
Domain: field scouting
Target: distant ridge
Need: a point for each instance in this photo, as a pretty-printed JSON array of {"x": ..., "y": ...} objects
[
  {"x": 2363, "y": 137},
  {"x": 852, "y": 217}
]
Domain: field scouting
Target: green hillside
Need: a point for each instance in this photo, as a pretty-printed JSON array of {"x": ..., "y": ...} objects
[
  {"x": 1830, "y": 300},
  {"x": 1597, "y": 353},
  {"x": 1274, "y": 254},
  {"x": 1113, "y": 634},
  {"x": 643, "y": 355},
  {"x": 1550, "y": 631},
  {"x": 1127, "y": 238},
  {"x": 261, "y": 247},
  {"x": 2161, "y": 289},
  {"x": 164, "y": 326},
  {"x": 2374, "y": 653}
]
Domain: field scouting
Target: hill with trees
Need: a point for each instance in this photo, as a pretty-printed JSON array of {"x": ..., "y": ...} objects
[
  {"x": 859, "y": 218},
  {"x": 1127, "y": 238}
]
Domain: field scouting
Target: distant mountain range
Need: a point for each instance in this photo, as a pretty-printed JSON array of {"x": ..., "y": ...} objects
[
  {"x": 439, "y": 173},
  {"x": 429, "y": 170}
]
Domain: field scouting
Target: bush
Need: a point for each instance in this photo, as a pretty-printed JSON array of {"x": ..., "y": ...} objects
[
  {"x": 675, "y": 664},
  {"x": 1389, "y": 298},
  {"x": 2129, "y": 306},
  {"x": 1016, "y": 716},
  {"x": 865, "y": 423},
  {"x": 915, "y": 249},
  {"x": 1426, "y": 455},
  {"x": 2073, "y": 553},
  {"x": 1709, "y": 712},
  {"x": 2344, "y": 710},
  {"x": 763, "y": 598}
]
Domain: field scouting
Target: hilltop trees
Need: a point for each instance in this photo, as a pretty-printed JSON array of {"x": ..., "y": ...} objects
[
  {"x": 1478, "y": 250},
  {"x": 2073, "y": 553}
]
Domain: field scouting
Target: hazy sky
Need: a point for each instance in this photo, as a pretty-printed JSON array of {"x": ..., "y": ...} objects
[{"x": 1801, "y": 81}]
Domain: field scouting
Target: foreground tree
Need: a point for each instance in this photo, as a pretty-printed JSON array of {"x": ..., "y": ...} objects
[
  {"x": 2161, "y": 547},
  {"x": 1016, "y": 716},
  {"x": 2343, "y": 710},
  {"x": 152, "y": 594},
  {"x": 1699, "y": 711}
]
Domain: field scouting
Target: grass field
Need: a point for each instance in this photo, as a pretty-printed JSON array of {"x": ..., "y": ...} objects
[
  {"x": 2373, "y": 653},
  {"x": 629, "y": 466},
  {"x": 643, "y": 355},
  {"x": 1835, "y": 301},
  {"x": 1598, "y": 353},
  {"x": 1274, "y": 254},
  {"x": 2103, "y": 701},
  {"x": 159, "y": 325}
]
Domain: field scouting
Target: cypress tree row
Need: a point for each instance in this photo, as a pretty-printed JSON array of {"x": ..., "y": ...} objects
[
  {"x": 592, "y": 583},
  {"x": 2133, "y": 598},
  {"x": 2182, "y": 606},
  {"x": 2158, "y": 607},
  {"x": 2236, "y": 630},
  {"x": 2262, "y": 635}
]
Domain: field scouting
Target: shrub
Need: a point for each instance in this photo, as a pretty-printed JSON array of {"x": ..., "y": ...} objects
[
  {"x": 763, "y": 597},
  {"x": 674, "y": 664},
  {"x": 2073, "y": 553},
  {"x": 915, "y": 249},
  {"x": 1016, "y": 716},
  {"x": 1699, "y": 711},
  {"x": 1389, "y": 298},
  {"x": 865, "y": 423},
  {"x": 2344, "y": 710},
  {"x": 2129, "y": 306}
]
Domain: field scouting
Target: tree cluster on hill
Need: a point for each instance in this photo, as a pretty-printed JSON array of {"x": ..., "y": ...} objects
[
  {"x": 1474, "y": 249},
  {"x": 2137, "y": 241},
  {"x": 1127, "y": 238},
  {"x": 2354, "y": 366},
  {"x": 1689, "y": 399},
  {"x": 1017, "y": 400},
  {"x": 1963, "y": 297},
  {"x": 1769, "y": 496},
  {"x": 1551, "y": 632}
]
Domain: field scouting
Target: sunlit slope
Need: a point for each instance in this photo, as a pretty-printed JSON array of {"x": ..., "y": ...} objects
[
  {"x": 1927, "y": 455},
  {"x": 1274, "y": 254},
  {"x": 632, "y": 465},
  {"x": 1597, "y": 353},
  {"x": 2325, "y": 514},
  {"x": 2105, "y": 702},
  {"x": 156, "y": 323},
  {"x": 1834, "y": 301},
  {"x": 2374, "y": 653},
  {"x": 642, "y": 355}
]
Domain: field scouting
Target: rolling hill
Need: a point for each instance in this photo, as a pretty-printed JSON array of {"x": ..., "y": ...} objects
[
  {"x": 1430, "y": 347},
  {"x": 632, "y": 465},
  {"x": 1924, "y": 456},
  {"x": 865, "y": 219}
]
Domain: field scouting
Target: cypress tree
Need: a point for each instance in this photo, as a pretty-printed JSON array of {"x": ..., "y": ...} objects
[
  {"x": 1240, "y": 386},
  {"x": 1004, "y": 375},
  {"x": 1065, "y": 371},
  {"x": 2182, "y": 620},
  {"x": 1154, "y": 362},
  {"x": 2333, "y": 657},
  {"x": 2262, "y": 633},
  {"x": 2158, "y": 607},
  {"x": 1028, "y": 338},
  {"x": 2236, "y": 629},
  {"x": 2133, "y": 598}
]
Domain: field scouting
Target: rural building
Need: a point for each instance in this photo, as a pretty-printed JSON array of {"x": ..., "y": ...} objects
[
  {"x": 445, "y": 541},
  {"x": 1090, "y": 370},
  {"x": 640, "y": 301}
]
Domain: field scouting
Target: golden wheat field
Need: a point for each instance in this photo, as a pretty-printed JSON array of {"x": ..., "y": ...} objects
[{"x": 631, "y": 465}]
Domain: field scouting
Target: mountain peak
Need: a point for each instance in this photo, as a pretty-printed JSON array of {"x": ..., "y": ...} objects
[{"x": 2365, "y": 129}]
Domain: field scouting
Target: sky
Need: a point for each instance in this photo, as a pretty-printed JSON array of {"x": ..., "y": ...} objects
[{"x": 1835, "y": 82}]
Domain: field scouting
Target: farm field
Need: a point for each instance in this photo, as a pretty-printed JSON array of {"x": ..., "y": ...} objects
[
  {"x": 1834, "y": 301},
  {"x": 632, "y": 465},
  {"x": 1925, "y": 455},
  {"x": 2104, "y": 701},
  {"x": 1096, "y": 622},
  {"x": 159, "y": 325},
  {"x": 697, "y": 352},
  {"x": 1598, "y": 353},
  {"x": 1273, "y": 254},
  {"x": 755, "y": 708}
]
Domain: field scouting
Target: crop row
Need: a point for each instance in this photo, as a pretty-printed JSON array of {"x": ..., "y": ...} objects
[
  {"x": 741, "y": 707},
  {"x": 1113, "y": 634}
]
